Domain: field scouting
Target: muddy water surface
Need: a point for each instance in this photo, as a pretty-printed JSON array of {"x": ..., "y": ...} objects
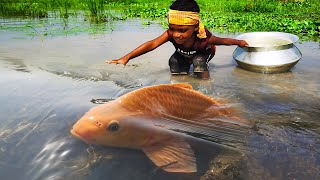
[{"x": 47, "y": 84}]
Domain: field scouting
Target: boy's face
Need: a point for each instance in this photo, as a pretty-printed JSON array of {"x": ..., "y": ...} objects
[{"x": 182, "y": 33}]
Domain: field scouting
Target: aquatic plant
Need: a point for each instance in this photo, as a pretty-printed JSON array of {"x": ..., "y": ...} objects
[
  {"x": 31, "y": 8},
  {"x": 293, "y": 16},
  {"x": 96, "y": 8},
  {"x": 41, "y": 36},
  {"x": 64, "y": 6},
  {"x": 150, "y": 10}
]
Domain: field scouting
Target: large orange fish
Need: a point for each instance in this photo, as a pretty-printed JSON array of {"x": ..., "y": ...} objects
[{"x": 157, "y": 119}]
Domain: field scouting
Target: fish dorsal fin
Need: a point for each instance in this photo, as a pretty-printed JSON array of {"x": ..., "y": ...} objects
[
  {"x": 183, "y": 85},
  {"x": 172, "y": 156}
]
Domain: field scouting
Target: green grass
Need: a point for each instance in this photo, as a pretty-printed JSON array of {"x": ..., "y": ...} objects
[{"x": 299, "y": 17}]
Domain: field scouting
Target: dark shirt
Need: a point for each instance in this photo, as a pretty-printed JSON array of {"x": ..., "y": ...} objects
[{"x": 199, "y": 45}]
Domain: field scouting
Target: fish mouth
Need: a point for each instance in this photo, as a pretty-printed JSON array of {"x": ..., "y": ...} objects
[{"x": 80, "y": 136}]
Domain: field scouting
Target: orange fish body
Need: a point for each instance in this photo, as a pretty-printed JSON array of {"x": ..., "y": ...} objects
[{"x": 147, "y": 119}]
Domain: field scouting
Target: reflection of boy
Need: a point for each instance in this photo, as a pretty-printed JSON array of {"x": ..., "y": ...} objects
[{"x": 194, "y": 44}]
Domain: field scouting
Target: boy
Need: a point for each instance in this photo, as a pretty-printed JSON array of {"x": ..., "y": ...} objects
[{"x": 194, "y": 44}]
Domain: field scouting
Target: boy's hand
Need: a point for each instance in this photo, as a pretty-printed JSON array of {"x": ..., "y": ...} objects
[
  {"x": 123, "y": 61},
  {"x": 242, "y": 43}
]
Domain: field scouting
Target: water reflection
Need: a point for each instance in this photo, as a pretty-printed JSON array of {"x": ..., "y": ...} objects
[
  {"x": 15, "y": 64},
  {"x": 286, "y": 126}
]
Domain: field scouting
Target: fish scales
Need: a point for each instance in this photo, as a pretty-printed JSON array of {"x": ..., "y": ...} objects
[
  {"x": 155, "y": 120},
  {"x": 176, "y": 101},
  {"x": 184, "y": 103}
]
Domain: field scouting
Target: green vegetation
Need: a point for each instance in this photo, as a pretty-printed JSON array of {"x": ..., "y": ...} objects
[{"x": 299, "y": 17}]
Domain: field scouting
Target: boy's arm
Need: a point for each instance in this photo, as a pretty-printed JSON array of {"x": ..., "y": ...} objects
[
  {"x": 227, "y": 41},
  {"x": 142, "y": 49}
]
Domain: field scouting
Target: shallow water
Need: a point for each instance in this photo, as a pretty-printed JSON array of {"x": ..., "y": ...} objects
[{"x": 47, "y": 85}]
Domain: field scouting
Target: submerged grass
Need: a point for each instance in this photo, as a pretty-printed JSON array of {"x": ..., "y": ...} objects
[{"x": 299, "y": 17}]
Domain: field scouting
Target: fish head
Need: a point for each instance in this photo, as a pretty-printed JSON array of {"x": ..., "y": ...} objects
[{"x": 109, "y": 125}]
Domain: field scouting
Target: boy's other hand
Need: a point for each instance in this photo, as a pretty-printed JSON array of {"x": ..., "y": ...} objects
[
  {"x": 243, "y": 43},
  {"x": 118, "y": 61}
]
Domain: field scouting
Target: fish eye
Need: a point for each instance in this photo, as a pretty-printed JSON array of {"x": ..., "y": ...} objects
[{"x": 113, "y": 126}]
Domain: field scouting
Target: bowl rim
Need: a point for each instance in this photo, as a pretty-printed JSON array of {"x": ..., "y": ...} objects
[{"x": 288, "y": 36}]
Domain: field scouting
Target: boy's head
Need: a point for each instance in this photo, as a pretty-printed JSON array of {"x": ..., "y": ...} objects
[
  {"x": 186, "y": 13},
  {"x": 185, "y": 5}
]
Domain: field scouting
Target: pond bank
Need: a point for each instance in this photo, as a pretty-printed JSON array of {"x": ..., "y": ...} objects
[{"x": 297, "y": 17}]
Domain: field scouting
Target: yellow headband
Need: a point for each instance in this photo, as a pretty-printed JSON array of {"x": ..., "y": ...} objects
[{"x": 186, "y": 18}]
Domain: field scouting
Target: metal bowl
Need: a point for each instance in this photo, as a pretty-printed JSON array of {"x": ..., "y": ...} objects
[{"x": 268, "y": 52}]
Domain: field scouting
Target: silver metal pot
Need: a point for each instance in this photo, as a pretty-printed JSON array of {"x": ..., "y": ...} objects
[{"x": 268, "y": 52}]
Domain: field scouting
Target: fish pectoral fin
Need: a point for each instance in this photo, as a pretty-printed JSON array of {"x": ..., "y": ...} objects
[
  {"x": 172, "y": 156},
  {"x": 183, "y": 85}
]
